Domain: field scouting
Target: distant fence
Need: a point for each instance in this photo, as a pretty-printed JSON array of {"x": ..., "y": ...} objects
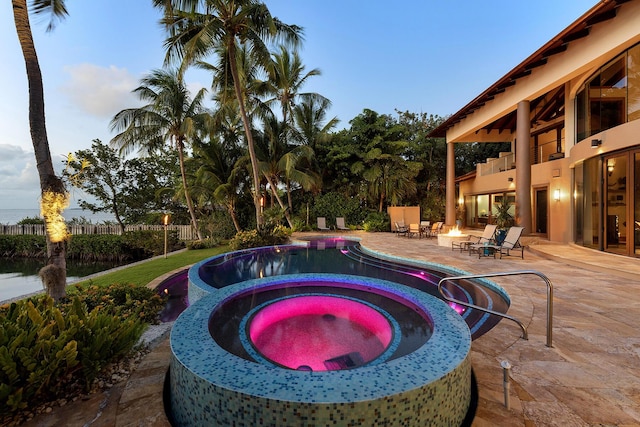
[{"x": 185, "y": 232}]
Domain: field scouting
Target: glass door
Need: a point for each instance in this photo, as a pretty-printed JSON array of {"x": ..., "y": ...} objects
[
  {"x": 636, "y": 205},
  {"x": 541, "y": 210},
  {"x": 615, "y": 221}
]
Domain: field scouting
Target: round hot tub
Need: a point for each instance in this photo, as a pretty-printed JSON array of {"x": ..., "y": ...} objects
[
  {"x": 319, "y": 349},
  {"x": 319, "y": 333}
]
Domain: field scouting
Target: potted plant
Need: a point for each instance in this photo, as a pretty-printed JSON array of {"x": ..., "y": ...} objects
[{"x": 503, "y": 221}]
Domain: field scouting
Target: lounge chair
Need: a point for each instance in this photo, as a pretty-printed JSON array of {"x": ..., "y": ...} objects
[
  {"x": 511, "y": 243},
  {"x": 487, "y": 236},
  {"x": 340, "y": 225},
  {"x": 401, "y": 228},
  {"x": 322, "y": 224}
]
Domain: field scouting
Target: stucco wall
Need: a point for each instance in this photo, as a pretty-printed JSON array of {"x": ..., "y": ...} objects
[{"x": 408, "y": 214}]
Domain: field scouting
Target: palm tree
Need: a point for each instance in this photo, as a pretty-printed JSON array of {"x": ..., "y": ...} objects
[
  {"x": 286, "y": 80},
  {"x": 219, "y": 176},
  {"x": 309, "y": 119},
  {"x": 196, "y": 28},
  {"x": 284, "y": 162},
  {"x": 170, "y": 116},
  {"x": 313, "y": 130},
  {"x": 53, "y": 192}
]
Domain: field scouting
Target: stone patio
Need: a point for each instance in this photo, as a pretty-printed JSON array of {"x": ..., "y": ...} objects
[{"x": 590, "y": 376}]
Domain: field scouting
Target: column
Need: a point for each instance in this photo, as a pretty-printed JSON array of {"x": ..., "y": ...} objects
[
  {"x": 523, "y": 167},
  {"x": 450, "y": 195}
]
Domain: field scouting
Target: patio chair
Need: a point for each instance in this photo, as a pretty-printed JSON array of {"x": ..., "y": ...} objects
[
  {"x": 487, "y": 236},
  {"x": 401, "y": 228},
  {"x": 435, "y": 229},
  {"x": 511, "y": 243},
  {"x": 340, "y": 225},
  {"x": 414, "y": 230},
  {"x": 322, "y": 224}
]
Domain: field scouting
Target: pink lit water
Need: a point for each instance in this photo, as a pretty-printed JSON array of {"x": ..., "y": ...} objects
[{"x": 310, "y": 331}]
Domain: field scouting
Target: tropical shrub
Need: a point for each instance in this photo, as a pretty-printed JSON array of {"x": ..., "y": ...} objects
[
  {"x": 333, "y": 205},
  {"x": 133, "y": 245},
  {"x": 147, "y": 243},
  {"x": 48, "y": 350},
  {"x": 203, "y": 244},
  {"x": 217, "y": 226},
  {"x": 377, "y": 221},
  {"x": 278, "y": 235},
  {"x": 30, "y": 220},
  {"x": 300, "y": 224},
  {"x": 121, "y": 299},
  {"x": 100, "y": 247},
  {"x": 27, "y": 245}
]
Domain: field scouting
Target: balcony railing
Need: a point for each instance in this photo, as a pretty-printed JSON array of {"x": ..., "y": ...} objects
[
  {"x": 540, "y": 154},
  {"x": 505, "y": 162}
]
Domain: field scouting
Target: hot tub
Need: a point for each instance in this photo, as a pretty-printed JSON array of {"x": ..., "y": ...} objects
[{"x": 221, "y": 375}]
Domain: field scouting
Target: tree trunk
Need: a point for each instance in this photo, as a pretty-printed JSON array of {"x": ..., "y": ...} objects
[
  {"x": 116, "y": 213},
  {"x": 49, "y": 182},
  {"x": 192, "y": 212},
  {"x": 232, "y": 212},
  {"x": 289, "y": 201},
  {"x": 247, "y": 131},
  {"x": 274, "y": 191}
]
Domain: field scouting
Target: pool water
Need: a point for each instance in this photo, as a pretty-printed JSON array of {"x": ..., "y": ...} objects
[{"x": 339, "y": 256}]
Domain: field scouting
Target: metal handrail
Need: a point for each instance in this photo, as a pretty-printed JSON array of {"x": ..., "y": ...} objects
[{"x": 486, "y": 310}]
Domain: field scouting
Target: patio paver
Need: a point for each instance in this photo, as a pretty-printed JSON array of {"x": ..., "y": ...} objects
[{"x": 590, "y": 376}]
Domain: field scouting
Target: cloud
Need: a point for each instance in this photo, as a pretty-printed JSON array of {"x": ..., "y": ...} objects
[
  {"x": 100, "y": 91},
  {"x": 19, "y": 182},
  {"x": 17, "y": 168}
]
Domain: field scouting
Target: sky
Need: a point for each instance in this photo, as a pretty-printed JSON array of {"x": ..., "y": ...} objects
[{"x": 417, "y": 55}]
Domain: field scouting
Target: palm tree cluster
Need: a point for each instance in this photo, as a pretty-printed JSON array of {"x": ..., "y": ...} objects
[{"x": 258, "y": 138}]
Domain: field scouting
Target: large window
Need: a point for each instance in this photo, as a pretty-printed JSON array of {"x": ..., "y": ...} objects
[
  {"x": 611, "y": 96},
  {"x": 587, "y": 199},
  {"x": 481, "y": 209},
  {"x": 607, "y": 209}
]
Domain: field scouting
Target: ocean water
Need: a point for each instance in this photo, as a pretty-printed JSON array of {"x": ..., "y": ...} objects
[
  {"x": 13, "y": 216},
  {"x": 20, "y": 277}
]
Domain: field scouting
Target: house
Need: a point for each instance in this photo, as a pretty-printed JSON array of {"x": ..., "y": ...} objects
[{"x": 570, "y": 111}]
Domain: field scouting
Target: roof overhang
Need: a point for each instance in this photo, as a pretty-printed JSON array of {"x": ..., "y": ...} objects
[{"x": 603, "y": 11}]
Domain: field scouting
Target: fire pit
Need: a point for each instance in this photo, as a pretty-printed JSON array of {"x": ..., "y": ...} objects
[{"x": 453, "y": 235}]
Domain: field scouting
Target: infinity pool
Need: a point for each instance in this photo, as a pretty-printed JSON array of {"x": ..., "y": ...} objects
[{"x": 340, "y": 256}]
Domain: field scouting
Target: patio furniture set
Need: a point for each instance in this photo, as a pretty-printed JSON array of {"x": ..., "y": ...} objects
[
  {"x": 487, "y": 244},
  {"x": 424, "y": 229},
  {"x": 340, "y": 224}
]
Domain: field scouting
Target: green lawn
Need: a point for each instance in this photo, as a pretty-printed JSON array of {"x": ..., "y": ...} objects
[{"x": 144, "y": 272}]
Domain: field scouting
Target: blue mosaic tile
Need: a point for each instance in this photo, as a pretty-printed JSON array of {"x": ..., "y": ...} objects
[{"x": 211, "y": 386}]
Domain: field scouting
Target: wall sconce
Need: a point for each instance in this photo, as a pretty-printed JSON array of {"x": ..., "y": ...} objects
[
  {"x": 556, "y": 194},
  {"x": 510, "y": 179},
  {"x": 595, "y": 143},
  {"x": 610, "y": 166}
]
